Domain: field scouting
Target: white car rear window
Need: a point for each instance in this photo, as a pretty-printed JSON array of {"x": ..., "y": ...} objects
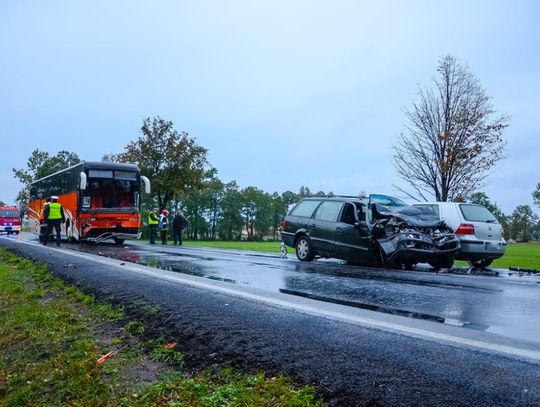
[{"x": 477, "y": 213}]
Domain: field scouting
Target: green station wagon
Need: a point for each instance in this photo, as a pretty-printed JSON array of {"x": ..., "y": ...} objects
[{"x": 379, "y": 230}]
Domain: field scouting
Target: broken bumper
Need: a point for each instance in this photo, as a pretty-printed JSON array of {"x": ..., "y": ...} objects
[{"x": 415, "y": 247}]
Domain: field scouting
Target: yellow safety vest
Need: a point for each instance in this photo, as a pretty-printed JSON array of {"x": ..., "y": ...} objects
[
  {"x": 55, "y": 211},
  {"x": 153, "y": 220}
]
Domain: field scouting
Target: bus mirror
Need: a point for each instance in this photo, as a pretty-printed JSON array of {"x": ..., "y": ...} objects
[
  {"x": 83, "y": 181},
  {"x": 146, "y": 183}
]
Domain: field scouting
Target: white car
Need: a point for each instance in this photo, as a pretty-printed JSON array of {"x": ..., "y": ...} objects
[{"x": 480, "y": 233}]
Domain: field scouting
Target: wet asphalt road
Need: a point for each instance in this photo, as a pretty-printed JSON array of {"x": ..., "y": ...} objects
[
  {"x": 506, "y": 304},
  {"x": 351, "y": 364}
]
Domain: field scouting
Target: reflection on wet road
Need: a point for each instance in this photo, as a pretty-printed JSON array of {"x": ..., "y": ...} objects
[{"x": 505, "y": 304}]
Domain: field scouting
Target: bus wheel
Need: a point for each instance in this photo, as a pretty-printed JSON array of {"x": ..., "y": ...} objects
[{"x": 118, "y": 242}]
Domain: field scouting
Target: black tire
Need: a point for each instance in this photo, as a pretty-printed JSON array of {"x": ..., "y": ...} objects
[
  {"x": 118, "y": 242},
  {"x": 444, "y": 262},
  {"x": 304, "y": 250},
  {"x": 481, "y": 264}
]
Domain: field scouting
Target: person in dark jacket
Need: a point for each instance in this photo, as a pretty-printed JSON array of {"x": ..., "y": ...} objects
[
  {"x": 179, "y": 223},
  {"x": 53, "y": 216}
]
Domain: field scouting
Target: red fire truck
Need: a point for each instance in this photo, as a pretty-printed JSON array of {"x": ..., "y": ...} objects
[{"x": 10, "y": 221}]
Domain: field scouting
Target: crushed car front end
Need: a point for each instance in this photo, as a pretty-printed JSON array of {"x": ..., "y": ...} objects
[{"x": 407, "y": 235}]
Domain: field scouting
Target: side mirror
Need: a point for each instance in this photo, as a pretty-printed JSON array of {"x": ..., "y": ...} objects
[
  {"x": 82, "y": 184},
  {"x": 146, "y": 183}
]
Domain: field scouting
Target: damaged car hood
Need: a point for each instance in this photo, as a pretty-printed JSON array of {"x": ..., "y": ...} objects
[{"x": 413, "y": 216}]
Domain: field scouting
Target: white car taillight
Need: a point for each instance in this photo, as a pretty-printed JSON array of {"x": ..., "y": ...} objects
[{"x": 465, "y": 229}]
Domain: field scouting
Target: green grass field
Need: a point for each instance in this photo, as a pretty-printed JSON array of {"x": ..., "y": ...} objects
[{"x": 526, "y": 255}]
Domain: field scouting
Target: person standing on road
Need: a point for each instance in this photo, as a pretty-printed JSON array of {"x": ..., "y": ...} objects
[
  {"x": 178, "y": 225},
  {"x": 163, "y": 225},
  {"x": 42, "y": 223},
  {"x": 153, "y": 222},
  {"x": 54, "y": 216}
]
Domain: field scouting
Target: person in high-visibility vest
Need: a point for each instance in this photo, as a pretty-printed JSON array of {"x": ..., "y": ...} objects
[
  {"x": 54, "y": 216},
  {"x": 153, "y": 221}
]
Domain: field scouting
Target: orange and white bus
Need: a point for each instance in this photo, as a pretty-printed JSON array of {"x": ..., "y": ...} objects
[{"x": 101, "y": 201}]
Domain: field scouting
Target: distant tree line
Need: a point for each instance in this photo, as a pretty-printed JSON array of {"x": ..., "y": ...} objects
[
  {"x": 521, "y": 225},
  {"x": 183, "y": 180}
]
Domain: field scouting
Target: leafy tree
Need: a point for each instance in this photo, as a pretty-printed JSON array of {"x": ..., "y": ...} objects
[
  {"x": 278, "y": 213},
  {"x": 289, "y": 198},
  {"x": 522, "y": 223},
  {"x": 257, "y": 211},
  {"x": 303, "y": 192},
  {"x": 203, "y": 207},
  {"x": 172, "y": 161},
  {"x": 536, "y": 195},
  {"x": 452, "y": 138},
  {"x": 536, "y": 231},
  {"x": 39, "y": 165},
  {"x": 481, "y": 198},
  {"x": 214, "y": 192},
  {"x": 230, "y": 223}
]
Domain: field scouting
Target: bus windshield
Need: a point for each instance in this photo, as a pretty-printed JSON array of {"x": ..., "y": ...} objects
[{"x": 111, "y": 189}]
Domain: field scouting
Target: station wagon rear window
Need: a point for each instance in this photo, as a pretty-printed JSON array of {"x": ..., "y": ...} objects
[
  {"x": 305, "y": 208},
  {"x": 328, "y": 211},
  {"x": 476, "y": 213}
]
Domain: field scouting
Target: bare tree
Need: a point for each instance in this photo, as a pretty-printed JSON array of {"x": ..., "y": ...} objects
[{"x": 452, "y": 138}]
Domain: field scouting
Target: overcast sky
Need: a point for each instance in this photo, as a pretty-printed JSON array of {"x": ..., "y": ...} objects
[{"x": 282, "y": 93}]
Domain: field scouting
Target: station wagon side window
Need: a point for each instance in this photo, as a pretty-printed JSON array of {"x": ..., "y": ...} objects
[
  {"x": 348, "y": 214},
  {"x": 328, "y": 211},
  {"x": 305, "y": 208}
]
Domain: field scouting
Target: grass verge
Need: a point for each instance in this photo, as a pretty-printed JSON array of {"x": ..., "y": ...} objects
[{"x": 52, "y": 336}]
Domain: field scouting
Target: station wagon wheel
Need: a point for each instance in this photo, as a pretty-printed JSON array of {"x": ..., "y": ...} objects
[
  {"x": 304, "y": 251},
  {"x": 481, "y": 264}
]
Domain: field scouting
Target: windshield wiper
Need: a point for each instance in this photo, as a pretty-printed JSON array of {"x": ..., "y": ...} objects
[{"x": 491, "y": 220}]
